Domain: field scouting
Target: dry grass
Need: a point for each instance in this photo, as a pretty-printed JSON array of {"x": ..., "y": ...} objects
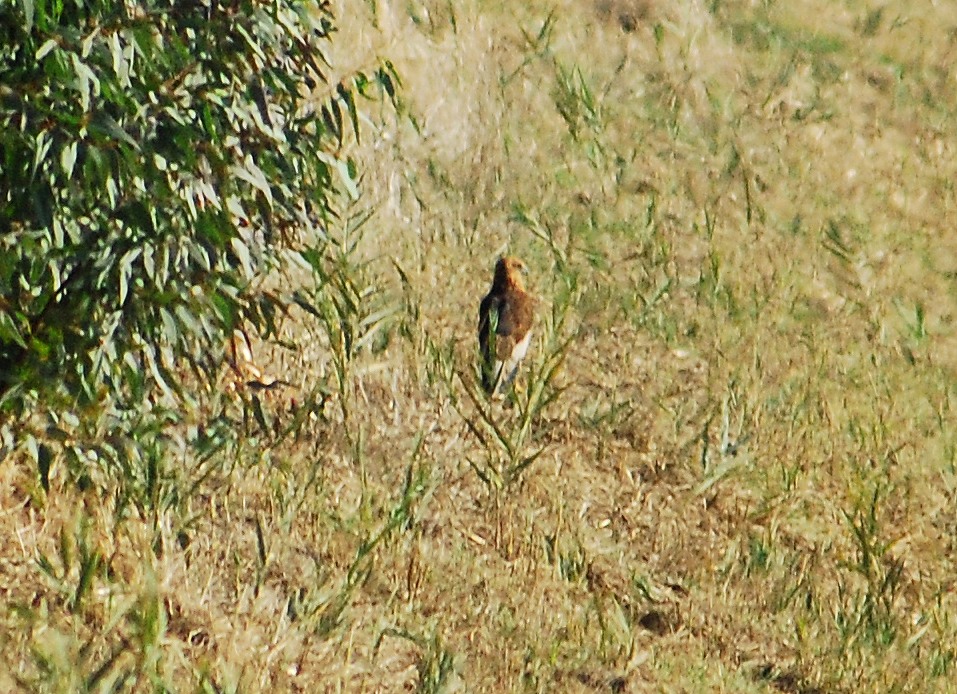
[{"x": 730, "y": 464}]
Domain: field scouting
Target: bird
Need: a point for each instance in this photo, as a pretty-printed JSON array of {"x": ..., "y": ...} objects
[
  {"x": 239, "y": 356},
  {"x": 505, "y": 326}
]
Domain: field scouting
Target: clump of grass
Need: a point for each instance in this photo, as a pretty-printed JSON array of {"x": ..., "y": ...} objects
[{"x": 505, "y": 435}]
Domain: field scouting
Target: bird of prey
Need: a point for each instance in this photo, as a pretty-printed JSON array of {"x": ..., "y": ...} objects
[
  {"x": 505, "y": 323},
  {"x": 246, "y": 374}
]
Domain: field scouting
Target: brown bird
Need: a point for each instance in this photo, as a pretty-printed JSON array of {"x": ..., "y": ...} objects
[{"x": 505, "y": 326}]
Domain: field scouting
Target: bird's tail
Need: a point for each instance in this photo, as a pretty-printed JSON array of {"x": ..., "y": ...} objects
[{"x": 497, "y": 378}]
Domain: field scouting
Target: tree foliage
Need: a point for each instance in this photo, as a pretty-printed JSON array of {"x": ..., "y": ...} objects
[{"x": 157, "y": 156}]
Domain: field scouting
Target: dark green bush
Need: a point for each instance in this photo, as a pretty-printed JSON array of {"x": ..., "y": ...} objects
[{"x": 157, "y": 156}]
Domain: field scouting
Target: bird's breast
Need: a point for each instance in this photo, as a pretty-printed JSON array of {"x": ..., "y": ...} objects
[{"x": 521, "y": 347}]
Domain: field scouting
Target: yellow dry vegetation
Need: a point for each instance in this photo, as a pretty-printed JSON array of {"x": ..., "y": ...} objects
[{"x": 729, "y": 463}]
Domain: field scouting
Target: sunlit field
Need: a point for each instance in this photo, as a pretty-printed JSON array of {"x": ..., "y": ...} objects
[{"x": 728, "y": 463}]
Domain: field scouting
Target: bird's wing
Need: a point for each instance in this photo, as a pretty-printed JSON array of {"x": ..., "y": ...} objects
[
  {"x": 505, "y": 321},
  {"x": 489, "y": 320},
  {"x": 514, "y": 324}
]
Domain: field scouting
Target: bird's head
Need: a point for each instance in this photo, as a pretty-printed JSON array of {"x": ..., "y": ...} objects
[{"x": 509, "y": 271}]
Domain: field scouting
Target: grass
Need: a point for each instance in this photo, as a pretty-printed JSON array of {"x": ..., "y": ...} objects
[{"x": 728, "y": 465}]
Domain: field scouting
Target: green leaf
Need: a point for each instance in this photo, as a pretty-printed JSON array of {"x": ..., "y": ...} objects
[
  {"x": 44, "y": 458},
  {"x": 68, "y": 159},
  {"x": 242, "y": 252},
  {"x": 9, "y": 331},
  {"x": 301, "y": 301},
  {"x": 89, "y": 565},
  {"x": 170, "y": 326},
  {"x": 47, "y": 46},
  {"x": 28, "y": 10},
  {"x": 87, "y": 83},
  {"x": 121, "y": 59},
  {"x": 253, "y": 175},
  {"x": 386, "y": 81},
  {"x": 105, "y": 124},
  {"x": 126, "y": 271},
  {"x": 226, "y": 310},
  {"x": 148, "y": 263},
  {"x": 258, "y": 413},
  {"x": 350, "y": 103},
  {"x": 344, "y": 173},
  {"x": 32, "y": 447}
]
